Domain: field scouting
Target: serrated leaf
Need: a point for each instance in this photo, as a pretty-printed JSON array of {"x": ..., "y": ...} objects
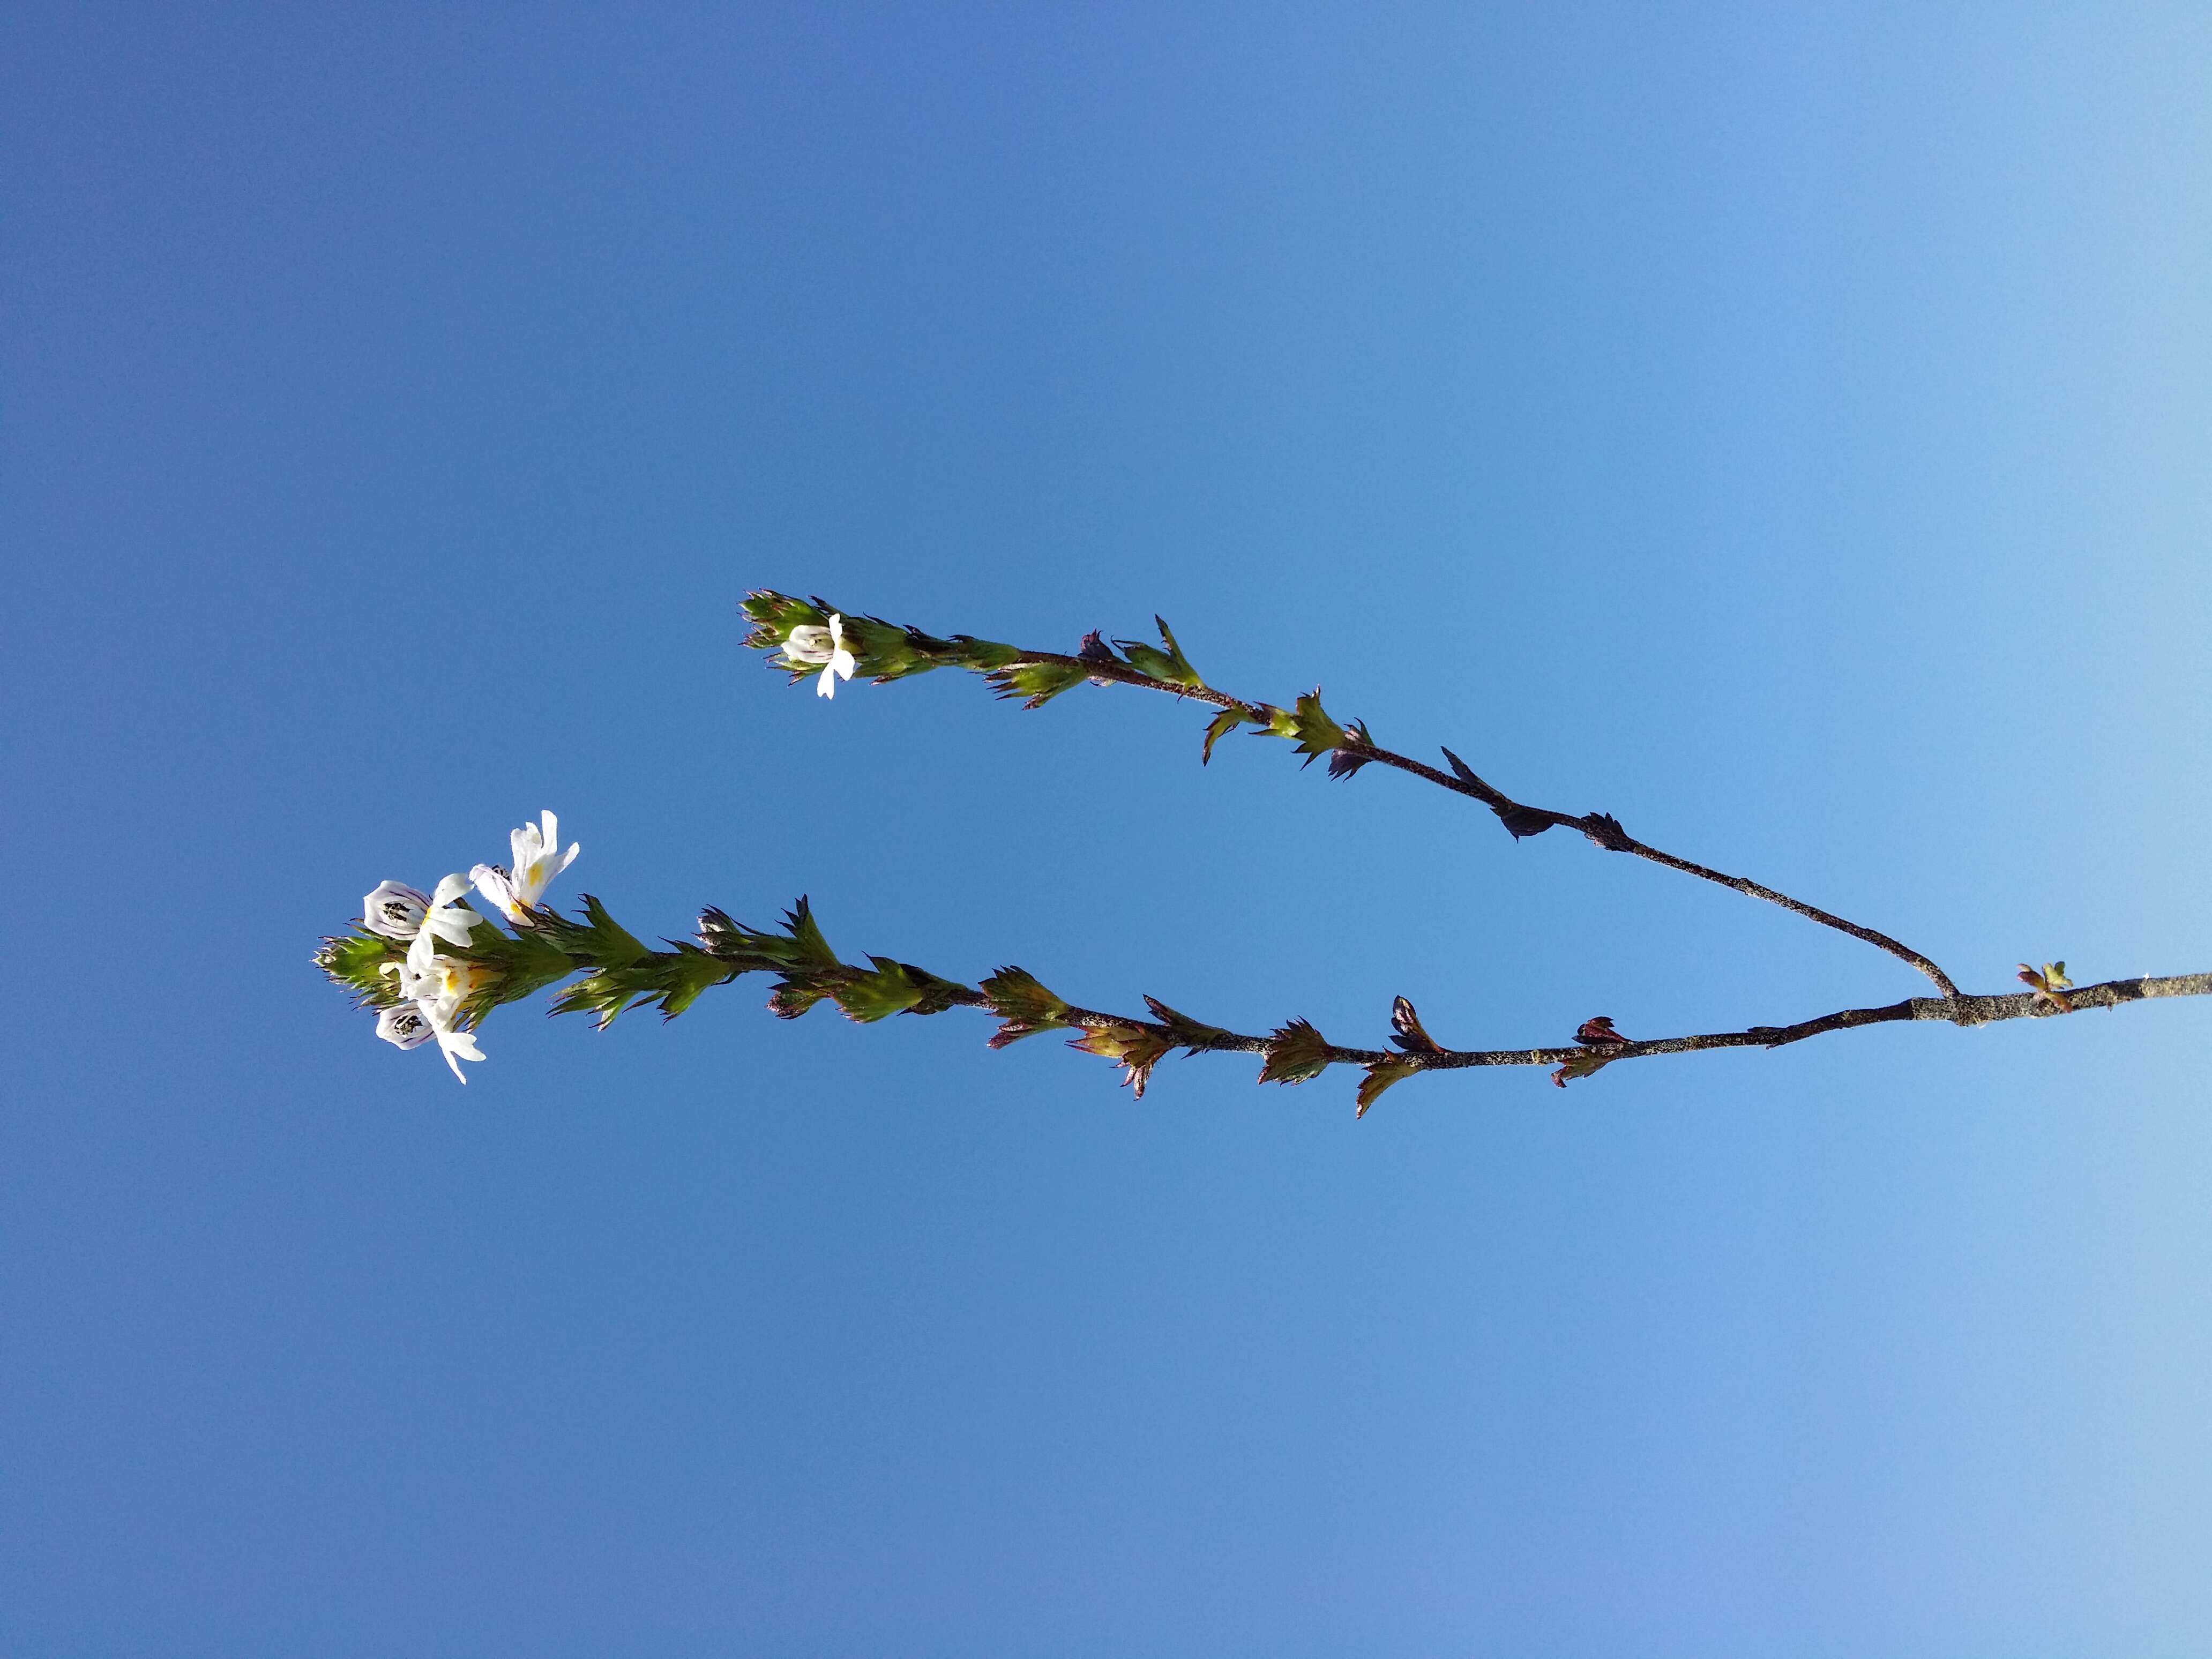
[
  {"x": 521, "y": 965},
  {"x": 1460, "y": 770},
  {"x": 1349, "y": 759},
  {"x": 1135, "y": 1049},
  {"x": 979, "y": 656},
  {"x": 688, "y": 975},
  {"x": 812, "y": 949},
  {"x": 888, "y": 990},
  {"x": 1037, "y": 683},
  {"x": 1170, "y": 664},
  {"x": 749, "y": 950},
  {"x": 1024, "y": 1004},
  {"x": 1380, "y": 1076},
  {"x": 1295, "y": 1052},
  {"x": 1315, "y": 732},
  {"x": 598, "y": 940}
]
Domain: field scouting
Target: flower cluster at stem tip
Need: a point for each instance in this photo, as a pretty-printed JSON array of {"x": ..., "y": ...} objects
[
  {"x": 435, "y": 988},
  {"x": 808, "y": 646}
]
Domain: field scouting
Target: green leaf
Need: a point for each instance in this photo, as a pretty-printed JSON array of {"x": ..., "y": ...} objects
[
  {"x": 596, "y": 941},
  {"x": 1220, "y": 726},
  {"x": 687, "y": 975},
  {"x": 1025, "y": 1005},
  {"x": 872, "y": 996},
  {"x": 812, "y": 949},
  {"x": 522, "y": 966},
  {"x": 1295, "y": 1052},
  {"x": 980, "y": 656},
  {"x": 895, "y": 987},
  {"x": 749, "y": 950},
  {"x": 1135, "y": 1049},
  {"x": 1315, "y": 732},
  {"x": 1170, "y": 664},
  {"x": 1039, "y": 683}
]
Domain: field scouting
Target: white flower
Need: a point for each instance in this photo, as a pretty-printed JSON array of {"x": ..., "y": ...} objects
[
  {"x": 537, "y": 860},
  {"x": 431, "y": 1007},
  {"x": 403, "y": 1025},
  {"x": 809, "y": 645},
  {"x": 445, "y": 918},
  {"x": 394, "y": 909}
]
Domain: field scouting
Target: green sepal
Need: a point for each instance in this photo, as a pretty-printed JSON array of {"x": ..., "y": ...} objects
[
  {"x": 1184, "y": 1031},
  {"x": 1380, "y": 1076},
  {"x": 1170, "y": 664},
  {"x": 1295, "y": 1052},
  {"x": 1037, "y": 683}
]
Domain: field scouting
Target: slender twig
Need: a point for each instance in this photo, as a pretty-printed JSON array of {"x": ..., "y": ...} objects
[
  {"x": 1961, "y": 1010},
  {"x": 1521, "y": 818}
]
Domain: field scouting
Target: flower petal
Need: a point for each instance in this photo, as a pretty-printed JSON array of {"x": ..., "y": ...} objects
[
  {"x": 405, "y": 1026},
  {"x": 394, "y": 909}
]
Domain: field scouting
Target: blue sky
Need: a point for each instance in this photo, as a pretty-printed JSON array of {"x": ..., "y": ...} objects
[{"x": 1785, "y": 430}]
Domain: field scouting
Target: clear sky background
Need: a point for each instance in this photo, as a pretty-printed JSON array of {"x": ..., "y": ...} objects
[{"x": 1785, "y": 429}]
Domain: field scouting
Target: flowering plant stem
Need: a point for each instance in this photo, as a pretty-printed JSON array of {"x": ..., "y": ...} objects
[{"x": 487, "y": 967}]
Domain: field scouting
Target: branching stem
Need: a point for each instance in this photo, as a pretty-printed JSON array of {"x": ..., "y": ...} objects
[{"x": 1522, "y": 818}]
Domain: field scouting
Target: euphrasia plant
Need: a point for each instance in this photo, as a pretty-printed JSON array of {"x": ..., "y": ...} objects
[{"x": 433, "y": 966}]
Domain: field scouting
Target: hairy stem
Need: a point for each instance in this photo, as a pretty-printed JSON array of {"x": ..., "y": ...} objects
[{"x": 1956, "y": 1010}]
